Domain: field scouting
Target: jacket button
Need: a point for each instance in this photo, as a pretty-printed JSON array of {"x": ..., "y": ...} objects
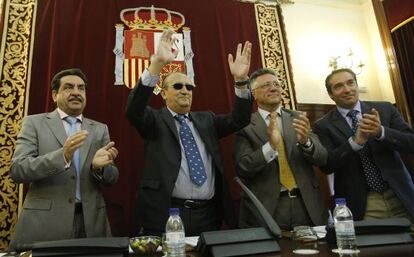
[
  {"x": 70, "y": 200},
  {"x": 73, "y": 177}
]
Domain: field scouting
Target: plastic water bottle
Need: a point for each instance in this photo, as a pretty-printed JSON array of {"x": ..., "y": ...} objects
[
  {"x": 344, "y": 227},
  {"x": 174, "y": 233}
]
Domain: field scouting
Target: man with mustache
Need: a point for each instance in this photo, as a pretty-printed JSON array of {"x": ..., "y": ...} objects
[
  {"x": 364, "y": 140},
  {"x": 170, "y": 179},
  {"x": 274, "y": 154},
  {"x": 65, "y": 159}
]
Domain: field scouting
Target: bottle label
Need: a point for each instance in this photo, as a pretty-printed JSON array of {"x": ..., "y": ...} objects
[
  {"x": 344, "y": 228},
  {"x": 175, "y": 237}
]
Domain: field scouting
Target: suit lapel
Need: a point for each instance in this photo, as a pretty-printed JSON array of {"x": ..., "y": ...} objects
[
  {"x": 170, "y": 121},
  {"x": 89, "y": 126},
  {"x": 339, "y": 121},
  {"x": 202, "y": 131},
  {"x": 289, "y": 134},
  {"x": 54, "y": 122},
  {"x": 259, "y": 127},
  {"x": 365, "y": 108}
]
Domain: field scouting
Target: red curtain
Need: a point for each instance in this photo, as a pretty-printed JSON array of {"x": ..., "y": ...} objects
[
  {"x": 398, "y": 11},
  {"x": 81, "y": 33}
]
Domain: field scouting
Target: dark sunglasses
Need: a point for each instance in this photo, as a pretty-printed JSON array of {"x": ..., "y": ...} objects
[{"x": 178, "y": 86}]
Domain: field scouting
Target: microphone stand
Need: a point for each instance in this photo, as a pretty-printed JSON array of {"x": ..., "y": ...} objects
[{"x": 270, "y": 222}]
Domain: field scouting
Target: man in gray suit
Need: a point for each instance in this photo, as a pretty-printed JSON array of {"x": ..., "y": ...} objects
[
  {"x": 276, "y": 164},
  {"x": 65, "y": 158}
]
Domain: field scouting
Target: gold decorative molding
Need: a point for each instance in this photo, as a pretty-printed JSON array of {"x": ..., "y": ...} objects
[
  {"x": 402, "y": 23},
  {"x": 273, "y": 50},
  {"x": 15, "y": 52}
]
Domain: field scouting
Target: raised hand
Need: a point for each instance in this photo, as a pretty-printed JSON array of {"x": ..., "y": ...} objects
[
  {"x": 240, "y": 67},
  {"x": 104, "y": 156},
  {"x": 165, "y": 52},
  {"x": 302, "y": 128},
  {"x": 72, "y": 143},
  {"x": 273, "y": 131}
]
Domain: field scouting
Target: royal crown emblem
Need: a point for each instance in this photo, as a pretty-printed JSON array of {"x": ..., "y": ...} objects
[{"x": 135, "y": 44}]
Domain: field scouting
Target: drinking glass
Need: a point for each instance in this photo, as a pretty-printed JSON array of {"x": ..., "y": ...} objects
[{"x": 305, "y": 240}]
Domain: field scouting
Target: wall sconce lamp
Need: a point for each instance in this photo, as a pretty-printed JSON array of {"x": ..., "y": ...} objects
[{"x": 346, "y": 61}]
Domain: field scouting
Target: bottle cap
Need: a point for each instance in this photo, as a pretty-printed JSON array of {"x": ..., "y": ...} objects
[
  {"x": 174, "y": 211},
  {"x": 340, "y": 201}
]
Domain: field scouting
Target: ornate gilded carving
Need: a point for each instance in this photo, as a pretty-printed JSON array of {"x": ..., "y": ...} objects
[
  {"x": 272, "y": 49},
  {"x": 14, "y": 67}
]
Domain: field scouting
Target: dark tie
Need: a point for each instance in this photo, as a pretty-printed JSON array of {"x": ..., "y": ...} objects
[
  {"x": 372, "y": 172},
  {"x": 76, "y": 155},
  {"x": 195, "y": 163}
]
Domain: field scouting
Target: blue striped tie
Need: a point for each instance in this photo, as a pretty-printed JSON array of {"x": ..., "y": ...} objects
[
  {"x": 195, "y": 163},
  {"x": 76, "y": 155}
]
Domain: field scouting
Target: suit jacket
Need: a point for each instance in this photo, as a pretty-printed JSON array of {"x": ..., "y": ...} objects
[
  {"x": 263, "y": 178},
  {"x": 163, "y": 154},
  {"x": 49, "y": 206},
  {"x": 334, "y": 132}
]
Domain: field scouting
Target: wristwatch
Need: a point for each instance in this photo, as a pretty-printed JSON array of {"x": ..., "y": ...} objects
[
  {"x": 308, "y": 144},
  {"x": 241, "y": 83}
]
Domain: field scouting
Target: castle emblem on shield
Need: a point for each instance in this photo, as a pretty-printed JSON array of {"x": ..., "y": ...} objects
[{"x": 137, "y": 38}]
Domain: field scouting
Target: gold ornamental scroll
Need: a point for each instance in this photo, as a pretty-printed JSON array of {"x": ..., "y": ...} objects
[
  {"x": 15, "y": 65},
  {"x": 272, "y": 48}
]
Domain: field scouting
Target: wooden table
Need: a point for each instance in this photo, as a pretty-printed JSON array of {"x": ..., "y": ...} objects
[{"x": 287, "y": 246}]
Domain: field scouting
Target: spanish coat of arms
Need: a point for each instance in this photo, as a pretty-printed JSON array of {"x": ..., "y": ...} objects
[{"x": 137, "y": 38}]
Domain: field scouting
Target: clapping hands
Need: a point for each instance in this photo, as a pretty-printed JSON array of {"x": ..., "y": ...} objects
[
  {"x": 302, "y": 127},
  {"x": 105, "y": 156},
  {"x": 368, "y": 127}
]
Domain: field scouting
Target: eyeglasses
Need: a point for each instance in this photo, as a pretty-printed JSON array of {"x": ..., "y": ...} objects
[
  {"x": 179, "y": 86},
  {"x": 270, "y": 84}
]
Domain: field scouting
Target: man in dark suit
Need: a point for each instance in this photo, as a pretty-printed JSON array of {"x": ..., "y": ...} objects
[
  {"x": 274, "y": 154},
  {"x": 65, "y": 159},
  {"x": 168, "y": 181},
  {"x": 364, "y": 140}
]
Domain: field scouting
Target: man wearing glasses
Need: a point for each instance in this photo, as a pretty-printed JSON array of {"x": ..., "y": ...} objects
[
  {"x": 275, "y": 154},
  {"x": 183, "y": 165}
]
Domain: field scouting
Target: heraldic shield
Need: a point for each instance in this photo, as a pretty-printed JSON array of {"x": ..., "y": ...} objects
[{"x": 135, "y": 46}]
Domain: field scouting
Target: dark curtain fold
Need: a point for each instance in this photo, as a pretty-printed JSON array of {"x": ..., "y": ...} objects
[
  {"x": 81, "y": 33},
  {"x": 403, "y": 39}
]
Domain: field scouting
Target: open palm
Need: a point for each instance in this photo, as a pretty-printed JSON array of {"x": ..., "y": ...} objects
[
  {"x": 165, "y": 52},
  {"x": 240, "y": 67}
]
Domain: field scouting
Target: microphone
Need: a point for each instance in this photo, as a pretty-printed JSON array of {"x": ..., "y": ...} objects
[{"x": 270, "y": 222}]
